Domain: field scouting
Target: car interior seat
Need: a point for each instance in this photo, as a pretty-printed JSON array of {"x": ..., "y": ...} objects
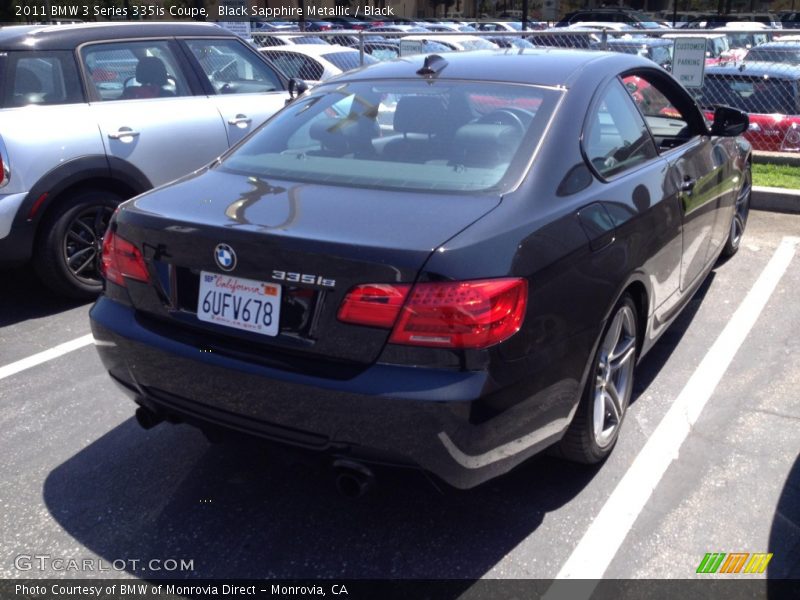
[
  {"x": 152, "y": 75},
  {"x": 485, "y": 145},
  {"x": 351, "y": 136},
  {"x": 422, "y": 120}
]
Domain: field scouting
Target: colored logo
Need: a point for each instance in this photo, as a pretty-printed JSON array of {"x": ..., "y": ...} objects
[
  {"x": 734, "y": 562},
  {"x": 225, "y": 257}
]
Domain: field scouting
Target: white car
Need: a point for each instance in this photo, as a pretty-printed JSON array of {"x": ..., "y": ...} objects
[
  {"x": 600, "y": 25},
  {"x": 743, "y": 36},
  {"x": 314, "y": 63},
  {"x": 263, "y": 40},
  {"x": 718, "y": 47}
]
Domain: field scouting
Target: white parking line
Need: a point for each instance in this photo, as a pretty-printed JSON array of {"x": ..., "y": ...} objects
[
  {"x": 45, "y": 355},
  {"x": 603, "y": 538}
]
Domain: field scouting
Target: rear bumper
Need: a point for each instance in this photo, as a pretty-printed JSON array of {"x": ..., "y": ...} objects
[
  {"x": 16, "y": 235},
  {"x": 455, "y": 424}
]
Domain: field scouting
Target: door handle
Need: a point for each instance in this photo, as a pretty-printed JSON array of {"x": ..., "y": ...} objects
[
  {"x": 123, "y": 132},
  {"x": 688, "y": 184},
  {"x": 240, "y": 120}
]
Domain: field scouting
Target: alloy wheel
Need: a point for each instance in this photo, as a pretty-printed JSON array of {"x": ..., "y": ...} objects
[
  {"x": 83, "y": 241},
  {"x": 741, "y": 211},
  {"x": 614, "y": 376}
]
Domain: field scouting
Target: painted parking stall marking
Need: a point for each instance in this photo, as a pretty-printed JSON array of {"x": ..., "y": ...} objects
[
  {"x": 45, "y": 355},
  {"x": 597, "y": 548}
]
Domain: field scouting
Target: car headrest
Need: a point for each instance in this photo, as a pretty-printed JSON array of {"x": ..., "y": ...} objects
[
  {"x": 420, "y": 114},
  {"x": 485, "y": 144},
  {"x": 330, "y": 134},
  {"x": 151, "y": 71}
]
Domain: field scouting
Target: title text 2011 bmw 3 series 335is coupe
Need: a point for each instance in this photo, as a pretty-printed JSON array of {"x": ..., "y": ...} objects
[{"x": 449, "y": 263}]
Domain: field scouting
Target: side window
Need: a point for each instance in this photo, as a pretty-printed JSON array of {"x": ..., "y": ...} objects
[
  {"x": 616, "y": 138},
  {"x": 669, "y": 126},
  {"x": 41, "y": 78},
  {"x": 233, "y": 68},
  {"x": 134, "y": 70}
]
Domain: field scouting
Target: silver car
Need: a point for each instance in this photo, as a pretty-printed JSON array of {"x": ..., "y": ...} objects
[{"x": 94, "y": 114}]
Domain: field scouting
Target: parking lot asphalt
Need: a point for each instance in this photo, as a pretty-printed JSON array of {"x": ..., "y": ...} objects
[{"x": 81, "y": 480}]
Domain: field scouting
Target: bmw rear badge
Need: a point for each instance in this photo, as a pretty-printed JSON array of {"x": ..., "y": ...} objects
[{"x": 225, "y": 257}]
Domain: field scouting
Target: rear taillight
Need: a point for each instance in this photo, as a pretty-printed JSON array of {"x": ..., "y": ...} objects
[
  {"x": 459, "y": 314},
  {"x": 376, "y": 305},
  {"x": 122, "y": 259},
  {"x": 3, "y": 171}
]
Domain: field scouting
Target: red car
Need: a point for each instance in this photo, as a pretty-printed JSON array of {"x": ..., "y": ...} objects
[{"x": 768, "y": 92}]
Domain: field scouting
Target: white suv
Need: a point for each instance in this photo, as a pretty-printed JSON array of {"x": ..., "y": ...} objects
[{"x": 94, "y": 114}]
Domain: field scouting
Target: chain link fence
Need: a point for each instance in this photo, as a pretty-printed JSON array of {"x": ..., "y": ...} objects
[{"x": 756, "y": 70}]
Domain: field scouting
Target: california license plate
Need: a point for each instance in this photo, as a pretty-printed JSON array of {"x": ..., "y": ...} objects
[{"x": 239, "y": 303}]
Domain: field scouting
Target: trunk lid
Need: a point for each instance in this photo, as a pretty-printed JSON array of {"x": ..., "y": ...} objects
[{"x": 348, "y": 236}]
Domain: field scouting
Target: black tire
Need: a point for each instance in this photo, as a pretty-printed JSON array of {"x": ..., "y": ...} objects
[
  {"x": 66, "y": 257},
  {"x": 740, "y": 213},
  {"x": 584, "y": 441}
]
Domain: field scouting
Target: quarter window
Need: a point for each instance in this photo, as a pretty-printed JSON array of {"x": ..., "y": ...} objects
[
  {"x": 669, "y": 125},
  {"x": 41, "y": 78},
  {"x": 616, "y": 138}
]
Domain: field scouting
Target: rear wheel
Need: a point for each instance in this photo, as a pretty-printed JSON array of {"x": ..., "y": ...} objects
[
  {"x": 594, "y": 429},
  {"x": 740, "y": 214},
  {"x": 67, "y": 256}
]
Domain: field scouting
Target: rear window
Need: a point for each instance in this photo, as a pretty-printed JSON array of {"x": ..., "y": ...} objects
[
  {"x": 41, "y": 78},
  {"x": 422, "y": 135},
  {"x": 791, "y": 56}
]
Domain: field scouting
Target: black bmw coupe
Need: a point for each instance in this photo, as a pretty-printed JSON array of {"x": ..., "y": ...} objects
[{"x": 452, "y": 263}]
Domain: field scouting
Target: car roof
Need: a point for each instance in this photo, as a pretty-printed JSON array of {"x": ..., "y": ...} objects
[
  {"x": 757, "y": 69},
  {"x": 741, "y": 25},
  {"x": 67, "y": 37},
  {"x": 553, "y": 67}
]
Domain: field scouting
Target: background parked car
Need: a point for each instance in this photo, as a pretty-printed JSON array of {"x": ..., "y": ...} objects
[
  {"x": 768, "y": 92},
  {"x": 778, "y": 51},
  {"x": 634, "y": 18},
  {"x": 287, "y": 39},
  {"x": 315, "y": 63},
  {"x": 455, "y": 42},
  {"x": 656, "y": 49},
  {"x": 718, "y": 48},
  {"x": 93, "y": 114}
]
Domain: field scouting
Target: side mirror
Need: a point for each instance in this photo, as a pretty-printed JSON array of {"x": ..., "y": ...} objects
[
  {"x": 297, "y": 87},
  {"x": 729, "y": 122}
]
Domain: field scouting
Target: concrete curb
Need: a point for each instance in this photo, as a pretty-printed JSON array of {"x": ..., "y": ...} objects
[
  {"x": 776, "y": 158},
  {"x": 775, "y": 199}
]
